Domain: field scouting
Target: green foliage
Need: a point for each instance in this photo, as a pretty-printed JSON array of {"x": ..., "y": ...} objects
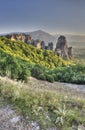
[
  {"x": 14, "y": 68},
  {"x": 19, "y": 60},
  {"x": 37, "y": 70},
  {"x": 70, "y": 74},
  {"x": 24, "y": 74},
  {"x": 49, "y": 78},
  {"x": 42, "y": 76}
]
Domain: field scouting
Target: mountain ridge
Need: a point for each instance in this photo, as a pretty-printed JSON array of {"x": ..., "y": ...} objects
[
  {"x": 42, "y": 35},
  {"x": 47, "y": 37}
]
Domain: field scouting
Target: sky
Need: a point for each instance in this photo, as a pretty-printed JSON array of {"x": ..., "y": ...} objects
[{"x": 53, "y": 16}]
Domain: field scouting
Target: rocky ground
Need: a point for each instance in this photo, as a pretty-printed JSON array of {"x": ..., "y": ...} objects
[{"x": 11, "y": 120}]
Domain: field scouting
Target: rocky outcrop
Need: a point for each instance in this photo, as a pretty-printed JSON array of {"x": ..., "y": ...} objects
[
  {"x": 42, "y": 45},
  {"x": 37, "y": 43},
  {"x": 50, "y": 46},
  {"x": 21, "y": 36},
  {"x": 62, "y": 48},
  {"x": 29, "y": 40}
]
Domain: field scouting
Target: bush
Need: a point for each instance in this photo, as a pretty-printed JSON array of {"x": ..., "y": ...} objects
[
  {"x": 14, "y": 68},
  {"x": 24, "y": 74},
  {"x": 42, "y": 76},
  {"x": 49, "y": 78},
  {"x": 37, "y": 70}
]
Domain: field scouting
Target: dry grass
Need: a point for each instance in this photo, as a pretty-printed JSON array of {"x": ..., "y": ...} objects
[
  {"x": 64, "y": 89},
  {"x": 37, "y": 98}
]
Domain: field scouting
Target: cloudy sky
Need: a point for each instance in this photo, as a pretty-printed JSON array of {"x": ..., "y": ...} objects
[{"x": 53, "y": 16}]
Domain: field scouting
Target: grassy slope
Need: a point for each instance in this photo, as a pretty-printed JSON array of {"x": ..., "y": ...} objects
[
  {"x": 31, "y": 54},
  {"x": 37, "y": 99}
]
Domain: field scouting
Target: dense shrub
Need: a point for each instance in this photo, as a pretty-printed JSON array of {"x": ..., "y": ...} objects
[
  {"x": 71, "y": 74},
  {"x": 42, "y": 76},
  {"x": 37, "y": 70},
  {"x": 14, "y": 68},
  {"x": 49, "y": 78},
  {"x": 23, "y": 75}
]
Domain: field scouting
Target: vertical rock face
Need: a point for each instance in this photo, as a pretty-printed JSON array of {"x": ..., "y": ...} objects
[
  {"x": 62, "y": 48},
  {"x": 46, "y": 48},
  {"x": 70, "y": 52},
  {"x": 23, "y": 37},
  {"x": 50, "y": 46},
  {"x": 37, "y": 43},
  {"x": 42, "y": 45},
  {"x": 58, "y": 51},
  {"x": 28, "y": 39}
]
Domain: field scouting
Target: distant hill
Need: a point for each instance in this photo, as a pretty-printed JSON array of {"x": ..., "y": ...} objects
[
  {"x": 39, "y": 34},
  {"x": 44, "y": 36}
]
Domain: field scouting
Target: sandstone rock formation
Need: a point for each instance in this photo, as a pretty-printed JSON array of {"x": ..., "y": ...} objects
[
  {"x": 28, "y": 39},
  {"x": 42, "y": 45},
  {"x": 37, "y": 43},
  {"x": 70, "y": 52},
  {"x": 20, "y": 36},
  {"x": 50, "y": 46},
  {"x": 62, "y": 48}
]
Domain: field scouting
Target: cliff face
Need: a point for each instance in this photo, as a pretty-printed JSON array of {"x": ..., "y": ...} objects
[
  {"x": 62, "y": 48},
  {"x": 25, "y": 38},
  {"x": 22, "y": 36}
]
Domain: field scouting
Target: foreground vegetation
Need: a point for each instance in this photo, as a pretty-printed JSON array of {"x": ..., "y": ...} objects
[{"x": 49, "y": 108}]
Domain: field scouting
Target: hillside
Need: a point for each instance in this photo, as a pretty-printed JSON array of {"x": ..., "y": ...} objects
[
  {"x": 42, "y": 35},
  {"x": 20, "y": 60},
  {"x": 31, "y": 54}
]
